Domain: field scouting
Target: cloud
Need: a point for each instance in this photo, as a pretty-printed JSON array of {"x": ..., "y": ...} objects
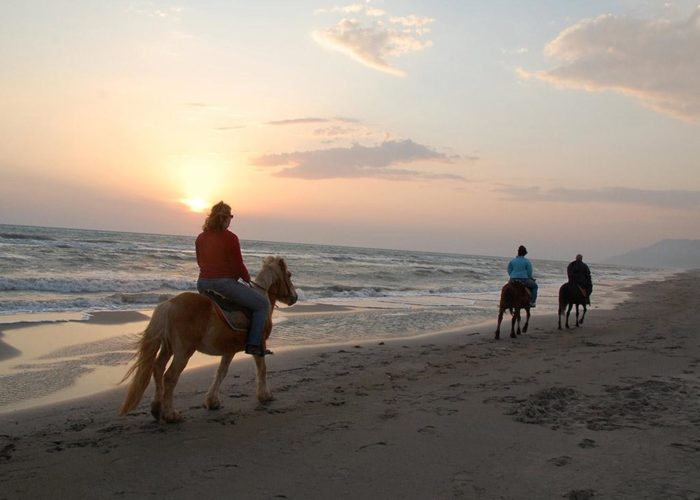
[
  {"x": 657, "y": 61},
  {"x": 374, "y": 39},
  {"x": 656, "y": 198},
  {"x": 298, "y": 121},
  {"x": 357, "y": 161},
  {"x": 147, "y": 9},
  {"x": 333, "y": 129},
  {"x": 224, "y": 128},
  {"x": 307, "y": 121}
]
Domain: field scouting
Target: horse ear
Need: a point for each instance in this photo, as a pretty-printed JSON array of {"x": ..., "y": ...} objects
[{"x": 283, "y": 264}]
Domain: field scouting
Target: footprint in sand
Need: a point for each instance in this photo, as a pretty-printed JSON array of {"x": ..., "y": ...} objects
[
  {"x": 7, "y": 446},
  {"x": 428, "y": 429},
  {"x": 378, "y": 443},
  {"x": 686, "y": 447},
  {"x": 587, "y": 443},
  {"x": 389, "y": 414},
  {"x": 461, "y": 482},
  {"x": 579, "y": 494},
  {"x": 560, "y": 461}
]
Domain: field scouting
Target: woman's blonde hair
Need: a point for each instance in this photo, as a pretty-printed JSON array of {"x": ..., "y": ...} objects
[{"x": 218, "y": 217}]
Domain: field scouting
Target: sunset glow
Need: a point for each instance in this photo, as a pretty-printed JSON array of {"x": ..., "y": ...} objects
[
  {"x": 466, "y": 127},
  {"x": 197, "y": 204}
]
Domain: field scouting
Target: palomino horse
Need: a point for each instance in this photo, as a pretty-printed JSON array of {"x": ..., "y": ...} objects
[
  {"x": 514, "y": 297},
  {"x": 570, "y": 294},
  {"x": 190, "y": 322}
]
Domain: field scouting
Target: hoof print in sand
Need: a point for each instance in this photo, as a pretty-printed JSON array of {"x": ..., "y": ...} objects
[
  {"x": 579, "y": 494},
  {"x": 7, "y": 446},
  {"x": 560, "y": 461},
  {"x": 587, "y": 443}
]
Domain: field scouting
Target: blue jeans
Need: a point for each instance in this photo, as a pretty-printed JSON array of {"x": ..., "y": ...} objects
[
  {"x": 531, "y": 284},
  {"x": 245, "y": 296}
]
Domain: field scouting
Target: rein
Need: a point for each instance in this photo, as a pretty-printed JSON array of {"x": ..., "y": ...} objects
[
  {"x": 258, "y": 285},
  {"x": 261, "y": 288}
]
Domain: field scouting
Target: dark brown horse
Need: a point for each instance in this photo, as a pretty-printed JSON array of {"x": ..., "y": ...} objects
[
  {"x": 514, "y": 297},
  {"x": 571, "y": 294},
  {"x": 190, "y": 322}
]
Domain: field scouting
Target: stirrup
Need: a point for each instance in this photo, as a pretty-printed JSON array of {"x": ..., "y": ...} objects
[{"x": 256, "y": 350}]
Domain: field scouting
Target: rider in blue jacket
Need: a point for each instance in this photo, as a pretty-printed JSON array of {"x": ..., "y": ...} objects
[{"x": 520, "y": 269}]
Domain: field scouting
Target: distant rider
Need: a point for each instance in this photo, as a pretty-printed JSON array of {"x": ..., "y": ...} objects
[
  {"x": 520, "y": 269},
  {"x": 579, "y": 274}
]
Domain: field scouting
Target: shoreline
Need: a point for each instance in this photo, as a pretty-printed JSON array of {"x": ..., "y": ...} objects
[
  {"x": 80, "y": 334},
  {"x": 608, "y": 410}
]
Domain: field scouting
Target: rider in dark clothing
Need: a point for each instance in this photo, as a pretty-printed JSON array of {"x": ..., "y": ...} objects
[{"x": 579, "y": 274}]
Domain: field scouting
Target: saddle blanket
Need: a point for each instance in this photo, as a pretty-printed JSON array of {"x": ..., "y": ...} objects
[
  {"x": 235, "y": 316},
  {"x": 520, "y": 283}
]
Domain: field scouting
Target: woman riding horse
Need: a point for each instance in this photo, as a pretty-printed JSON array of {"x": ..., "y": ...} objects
[{"x": 221, "y": 265}]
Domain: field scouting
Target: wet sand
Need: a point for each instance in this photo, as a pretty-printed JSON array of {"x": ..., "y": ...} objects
[{"x": 609, "y": 410}]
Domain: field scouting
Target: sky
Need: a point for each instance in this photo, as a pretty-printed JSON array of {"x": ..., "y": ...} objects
[{"x": 454, "y": 126}]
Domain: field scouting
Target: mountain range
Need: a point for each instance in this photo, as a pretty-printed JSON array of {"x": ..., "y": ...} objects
[{"x": 665, "y": 253}]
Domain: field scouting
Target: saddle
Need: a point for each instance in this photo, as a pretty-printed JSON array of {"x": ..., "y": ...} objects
[
  {"x": 583, "y": 291},
  {"x": 235, "y": 316},
  {"x": 519, "y": 283}
]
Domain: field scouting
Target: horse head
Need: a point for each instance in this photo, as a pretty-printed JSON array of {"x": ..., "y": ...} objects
[{"x": 276, "y": 278}]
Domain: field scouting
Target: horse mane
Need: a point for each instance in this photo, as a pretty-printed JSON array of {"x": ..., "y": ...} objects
[{"x": 272, "y": 268}]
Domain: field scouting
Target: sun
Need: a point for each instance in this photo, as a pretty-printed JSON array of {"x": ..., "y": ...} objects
[{"x": 197, "y": 205}]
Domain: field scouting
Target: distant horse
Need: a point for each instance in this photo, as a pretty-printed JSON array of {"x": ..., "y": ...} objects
[
  {"x": 514, "y": 297},
  {"x": 570, "y": 294},
  {"x": 190, "y": 322}
]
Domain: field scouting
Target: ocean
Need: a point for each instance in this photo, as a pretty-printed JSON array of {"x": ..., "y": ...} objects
[{"x": 53, "y": 273}]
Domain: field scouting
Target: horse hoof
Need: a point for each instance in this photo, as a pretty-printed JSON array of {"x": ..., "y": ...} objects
[
  {"x": 155, "y": 410},
  {"x": 173, "y": 418},
  {"x": 212, "y": 405},
  {"x": 513, "y": 336},
  {"x": 265, "y": 398}
]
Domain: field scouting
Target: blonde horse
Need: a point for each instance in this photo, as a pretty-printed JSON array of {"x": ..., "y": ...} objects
[{"x": 190, "y": 322}]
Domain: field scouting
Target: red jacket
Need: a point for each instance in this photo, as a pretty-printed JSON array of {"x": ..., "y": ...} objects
[{"x": 219, "y": 255}]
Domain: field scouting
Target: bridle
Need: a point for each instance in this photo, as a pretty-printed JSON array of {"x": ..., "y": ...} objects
[{"x": 286, "y": 285}]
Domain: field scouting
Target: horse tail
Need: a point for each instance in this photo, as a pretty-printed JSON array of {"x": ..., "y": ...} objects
[{"x": 150, "y": 342}]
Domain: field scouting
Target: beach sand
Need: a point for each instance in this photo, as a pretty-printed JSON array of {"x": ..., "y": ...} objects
[{"x": 609, "y": 410}]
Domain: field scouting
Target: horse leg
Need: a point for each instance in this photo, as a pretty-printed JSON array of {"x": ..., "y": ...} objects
[
  {"x": 170, "y": 379},
  {"x": 263, "y": 392},
  {"x": 527, "y": 319},
  {"x": 158, "y": 370},
  {"x": 212, "y": 400},
  {"x": 501, "y": 310},
  {"x": 516, "y": 317},
  {"x": 584, "y": 314},
  {"x": 577, "y": 323},
  {"x": 568, "y": 312},
  {"x": 560, "y": 312}
]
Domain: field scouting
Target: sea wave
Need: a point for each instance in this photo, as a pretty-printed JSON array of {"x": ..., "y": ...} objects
[
  {"x": 117, "y": 301},
  {"x": 139, "y": 298},
  {"x": 19, "y": 236},
  {"x": 92, "y": 285}
]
